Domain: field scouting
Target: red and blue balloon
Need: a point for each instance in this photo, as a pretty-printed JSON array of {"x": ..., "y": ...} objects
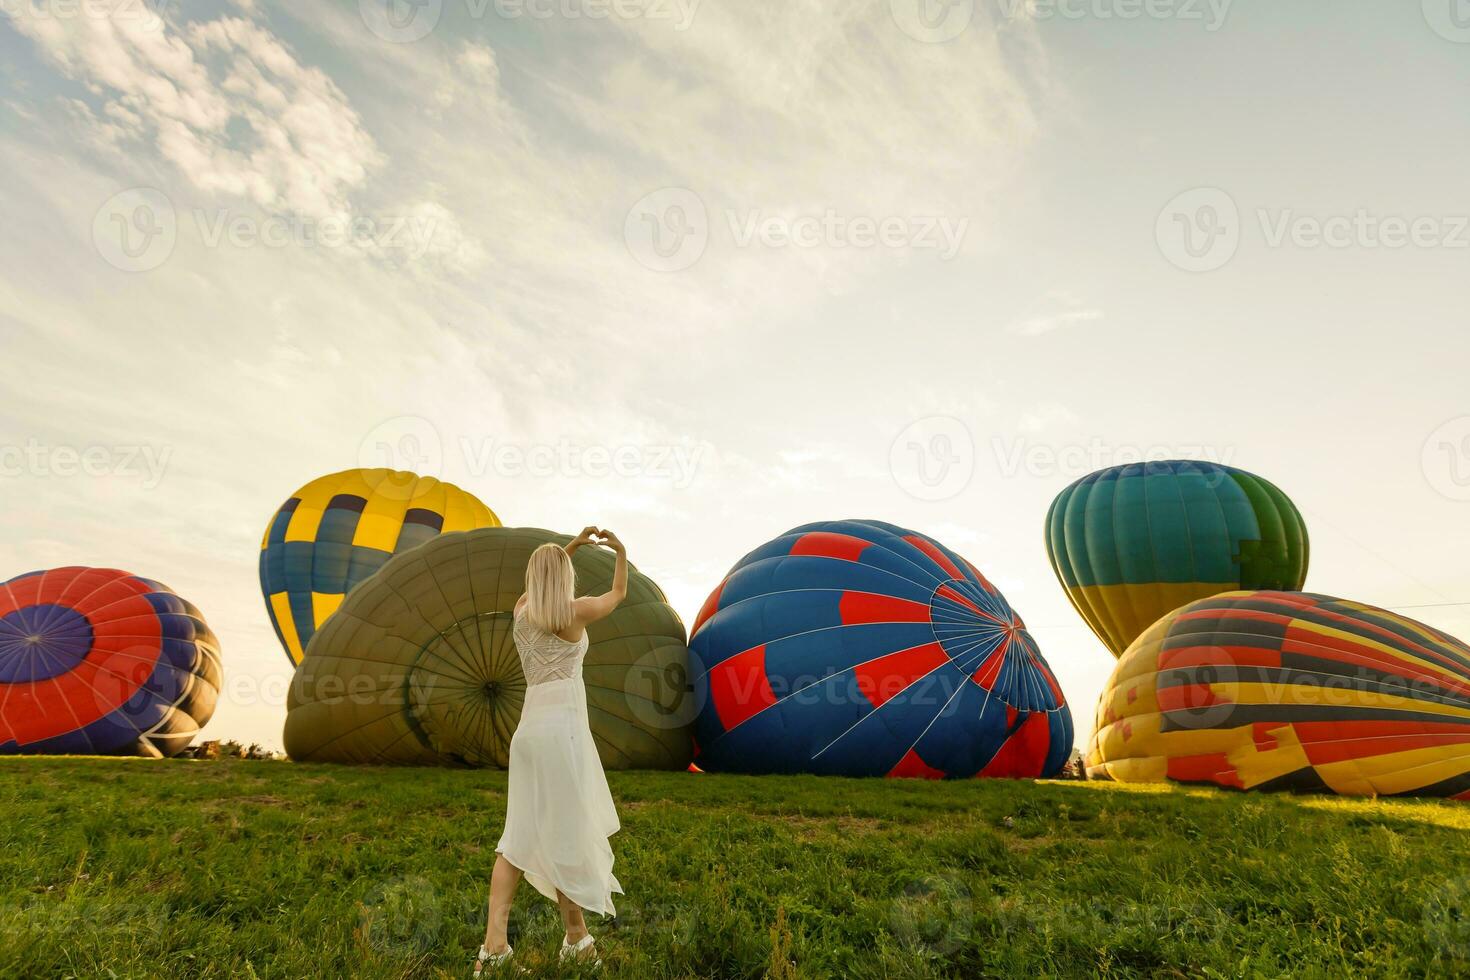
[
  {"x": 97, "y": 661},
  {"x": 858, "y": 648}
]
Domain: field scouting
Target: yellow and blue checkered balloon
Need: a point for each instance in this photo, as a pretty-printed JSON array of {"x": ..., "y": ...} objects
[{"x": 337, "y": 530}]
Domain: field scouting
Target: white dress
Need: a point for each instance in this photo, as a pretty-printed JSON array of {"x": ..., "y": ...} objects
[{"x": 559, "y": 813}]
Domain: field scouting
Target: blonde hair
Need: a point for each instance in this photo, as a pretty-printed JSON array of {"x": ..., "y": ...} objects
[{"x": 550, "y": 588}]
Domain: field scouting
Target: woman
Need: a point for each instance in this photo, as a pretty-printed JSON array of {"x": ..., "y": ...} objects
[{"x": 559, "y": 813}]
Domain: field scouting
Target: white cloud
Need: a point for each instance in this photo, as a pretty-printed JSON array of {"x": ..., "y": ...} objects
[
  {"x": 224, "y": 101},
  {"x": 1037, "y": 325},
  {"x": 1046, "y": 416},
  {"x": 825, "y": 104},
  {"x": 478, "y": 62}
]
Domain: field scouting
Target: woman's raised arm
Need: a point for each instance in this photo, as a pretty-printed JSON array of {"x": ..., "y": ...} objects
[{"x": 592, "y": 608}]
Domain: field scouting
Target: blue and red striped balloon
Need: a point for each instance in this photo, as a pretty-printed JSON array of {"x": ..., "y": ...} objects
[
  {"x": 99, "y": 662},
  {"x": 857, "y": 648}
]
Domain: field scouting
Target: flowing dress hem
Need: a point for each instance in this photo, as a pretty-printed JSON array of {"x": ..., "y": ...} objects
[{"x": 549, "y": 888}]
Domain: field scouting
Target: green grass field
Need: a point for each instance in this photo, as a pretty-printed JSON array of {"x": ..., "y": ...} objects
[{"x": 133, "y": 868}]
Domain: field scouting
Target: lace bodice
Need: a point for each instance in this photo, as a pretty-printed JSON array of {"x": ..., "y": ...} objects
[{"x": 546, "y": 656}]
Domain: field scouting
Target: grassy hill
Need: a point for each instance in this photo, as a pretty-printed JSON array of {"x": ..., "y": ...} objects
[{"x": 269, "y": 869}]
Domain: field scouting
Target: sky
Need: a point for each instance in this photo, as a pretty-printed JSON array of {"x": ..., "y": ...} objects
[{"x": 781, "y": 261}]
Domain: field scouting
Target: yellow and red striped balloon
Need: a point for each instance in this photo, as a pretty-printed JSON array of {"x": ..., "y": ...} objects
[{"x": 1289, "y": 691}]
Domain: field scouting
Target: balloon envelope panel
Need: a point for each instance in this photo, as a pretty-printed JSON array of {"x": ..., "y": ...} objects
[
  {"x": 96, "y": 661},
  {"x": 1134, "y": 542},
  {"x": 1289, "y": 691},
  {"x": 419, "y": 665},
  {"x": 337, "y": 530},
  {"x": 858, "y": 648}
]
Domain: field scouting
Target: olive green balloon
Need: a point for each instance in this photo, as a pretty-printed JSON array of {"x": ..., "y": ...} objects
[{"x": 418, "y": 665}]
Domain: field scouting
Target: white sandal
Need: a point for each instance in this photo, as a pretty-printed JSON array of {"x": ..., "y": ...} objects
[
  {"x": 581, "y": 951},
  {"x": 484, "y": 957}
]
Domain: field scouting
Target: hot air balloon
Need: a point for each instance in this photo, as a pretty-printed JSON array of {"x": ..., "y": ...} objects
[
  {"x": 337, "y": 530},
  {"x": 1133, "y": 542},
  {"x": 857, "y": 648},
  {"x": 1289, "y": 691},
  {"x": 418, "y": 666},
  {"x": 95, "y": 661}
]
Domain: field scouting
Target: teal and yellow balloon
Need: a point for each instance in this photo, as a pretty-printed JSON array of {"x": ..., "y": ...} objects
[
  {"x": 337, "y": 530},
  {"x": 1132, "y": 543}
]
